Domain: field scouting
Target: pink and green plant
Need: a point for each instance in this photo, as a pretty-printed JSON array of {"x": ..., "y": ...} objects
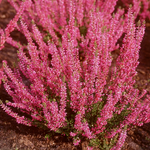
[
  {"x": 74, "y": 87},
  {"x": 141, "y": 8}
]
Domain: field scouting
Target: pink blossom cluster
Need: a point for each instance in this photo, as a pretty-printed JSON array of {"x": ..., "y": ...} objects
[
  {"x": 140, "y": 7},
  {"x": 69, "y": 82}
]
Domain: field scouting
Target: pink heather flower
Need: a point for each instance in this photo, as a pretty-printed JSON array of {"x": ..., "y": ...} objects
[
  {"x": 13, "y": 23},
  {"x": 113, "y": 132},
  {"x": 2, "y": 39},
  {"x": 121, "y": 141},
  {"x": 72, "y": 134},
  {"x": 78, "y": 124},
  {"x": 87, "y": 133},
  {"x": 1, "y": 75},
  {"x": 140, "y": 7},
  {"x": 70, "y": 68},
  {"x": 19, "y": 119},
  {"x": 76, "y": 141}
]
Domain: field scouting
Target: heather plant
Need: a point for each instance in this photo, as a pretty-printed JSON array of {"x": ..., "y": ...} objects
[
  {"x": 75, "y": 86},
  {"x": 141, "y": 8}
]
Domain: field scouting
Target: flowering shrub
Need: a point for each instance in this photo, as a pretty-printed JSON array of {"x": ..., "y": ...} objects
[
  {"x": 76, "y": 87},
  {"x": 140, "y": 8}
]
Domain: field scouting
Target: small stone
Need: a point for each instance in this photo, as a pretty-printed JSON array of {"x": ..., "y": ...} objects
[
  {"x": 52, "y": 142},
  {"x": 134, "y": 146},
  {"x": 3, "y": 16}
]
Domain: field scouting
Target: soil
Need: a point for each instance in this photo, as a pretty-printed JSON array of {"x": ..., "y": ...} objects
[{"x": 15, "y": 136}]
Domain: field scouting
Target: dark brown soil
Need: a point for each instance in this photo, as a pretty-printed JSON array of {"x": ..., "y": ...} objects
[{"x": 14, "y": 136}]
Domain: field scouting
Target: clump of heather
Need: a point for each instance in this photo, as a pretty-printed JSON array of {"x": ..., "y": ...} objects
[
  {"x": 75, "y": 85},
  {"x": 141, "y": 8}
]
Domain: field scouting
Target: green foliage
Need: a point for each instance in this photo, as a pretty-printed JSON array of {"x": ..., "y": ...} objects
[
  {"x": 83, "y": 30},
  {"x": 1, "y": 102},
  {"x": 103, "y": 143},
  {"x": 94, "y": 142},
  {"x": 7, "y": 101},
  {"x": 14, "y": 65},
  {"x": 3, "y": 80},
  {"x": 47, "y": 37},
  {"x": 39, "y": 124},
  {"x": 104, "y": 29},
  {"x": 115, "y": 121},
  {"x": 147, "y": 138},
  {"x": 47, "y": 136},
  {"x": 96, "y": 108}
]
